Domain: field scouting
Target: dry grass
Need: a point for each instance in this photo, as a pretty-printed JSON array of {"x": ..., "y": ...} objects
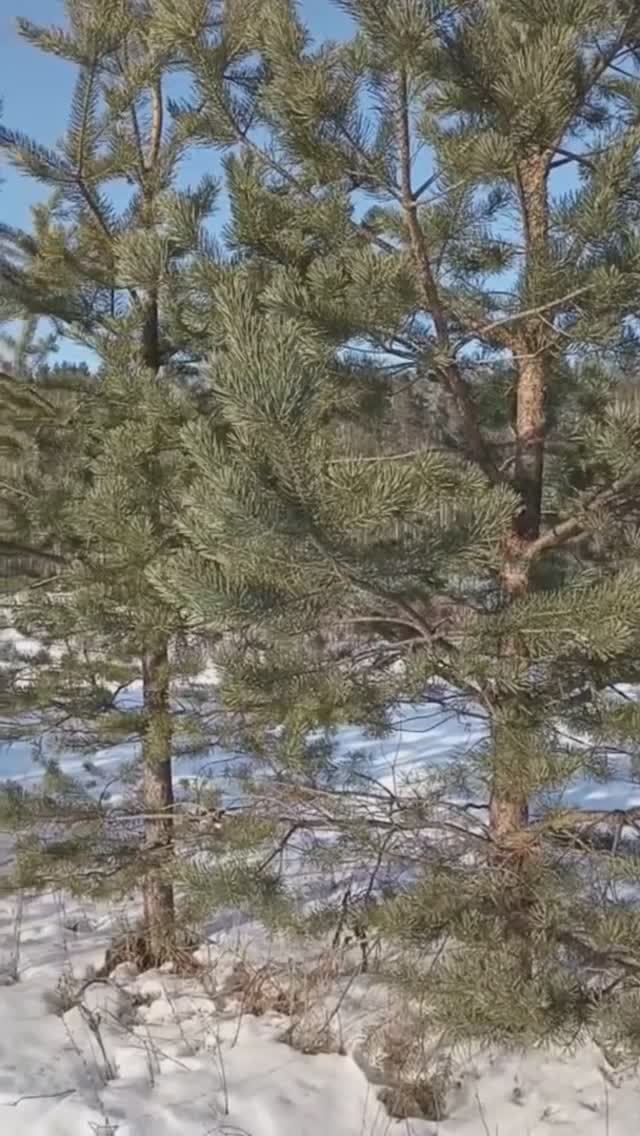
[
  {"x": 263, "y": 989},
  {"x": 65, "y": 995},
  {"x": 311, "y": 1032},
  {"x": 133, "y": 948},
  {"x": 304, "y": 995},
  {"x": 415, "y": 1078}
]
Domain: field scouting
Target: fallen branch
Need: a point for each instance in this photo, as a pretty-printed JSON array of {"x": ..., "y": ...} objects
[{"x": 39, "y": 1096}]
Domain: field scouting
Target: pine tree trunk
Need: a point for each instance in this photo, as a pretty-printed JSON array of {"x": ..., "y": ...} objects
[
  {"x": 531, "y": 343},
  {"x": 159, "y": 912},
  {"x": 508, "y": 814},
  {"x": 159, "y": 907},
  {"x": 509, "y": 810},
  {"x": 508, "y": 803},
  {"x": 510, "y": 853},
  {"x": 530, "y": 434}
]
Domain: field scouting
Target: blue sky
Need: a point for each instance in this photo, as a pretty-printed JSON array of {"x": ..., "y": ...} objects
[{"x": 35, "y": 88}]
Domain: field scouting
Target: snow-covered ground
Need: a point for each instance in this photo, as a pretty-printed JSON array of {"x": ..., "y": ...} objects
[
  {"x": 179, "y": 1056},
  {"x": 176, "y": 1056}
]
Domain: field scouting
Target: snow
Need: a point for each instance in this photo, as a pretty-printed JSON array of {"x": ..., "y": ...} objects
[
  {"x": 183, "y": 1057},
  {"x": 177, "y": 1067},
  {"x": 182, "y": 1060}
]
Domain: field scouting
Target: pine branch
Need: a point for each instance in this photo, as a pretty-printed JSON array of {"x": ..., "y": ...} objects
[
  {"x": 527, "y": 313},
  {"x": 568, "y": 157},
  {"x": 157, "y": 118},
  {"x": 135, "y": 125},
  {"x": 87, "y": 80},
  {"x": 600, "y": 959},
  {"x": 576, "y": 526},
  {"x": 13, "y": 549},
  {"x": 456, "y": 383},
  {"x": 599, "y": 67},
  {"x": 426, "y": 184},
  {"x": 379, "y": 458}
]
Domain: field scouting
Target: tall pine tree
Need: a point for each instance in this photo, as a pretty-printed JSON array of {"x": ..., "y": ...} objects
[
  {"x": 447, "y": 203},
  {"x": 105, "y": 264}
]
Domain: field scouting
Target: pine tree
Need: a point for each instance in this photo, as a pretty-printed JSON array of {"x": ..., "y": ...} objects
[
  {"x": 33, "y": 397},
  {"x": 108, "y": 268},
  {"x": 447, "y": 202}
]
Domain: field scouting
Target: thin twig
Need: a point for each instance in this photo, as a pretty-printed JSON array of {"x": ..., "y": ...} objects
[
  {"x": 39, "y": 1096},
  {"x": 528, "y": 312}
]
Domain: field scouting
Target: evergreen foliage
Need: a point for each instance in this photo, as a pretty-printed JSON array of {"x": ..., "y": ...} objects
[
  {"x": 448, "y": 204},
  {"x": 385, "y": 453},
  {"x": 99, "y": 474}
]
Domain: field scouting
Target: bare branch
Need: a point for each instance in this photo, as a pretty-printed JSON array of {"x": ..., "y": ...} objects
[
  {"x": 529, "y": 312},
  {"x": 157, "y": 120},
  {"x": 39, "y": 1096},
  {"x": 575, "y": 526}
]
